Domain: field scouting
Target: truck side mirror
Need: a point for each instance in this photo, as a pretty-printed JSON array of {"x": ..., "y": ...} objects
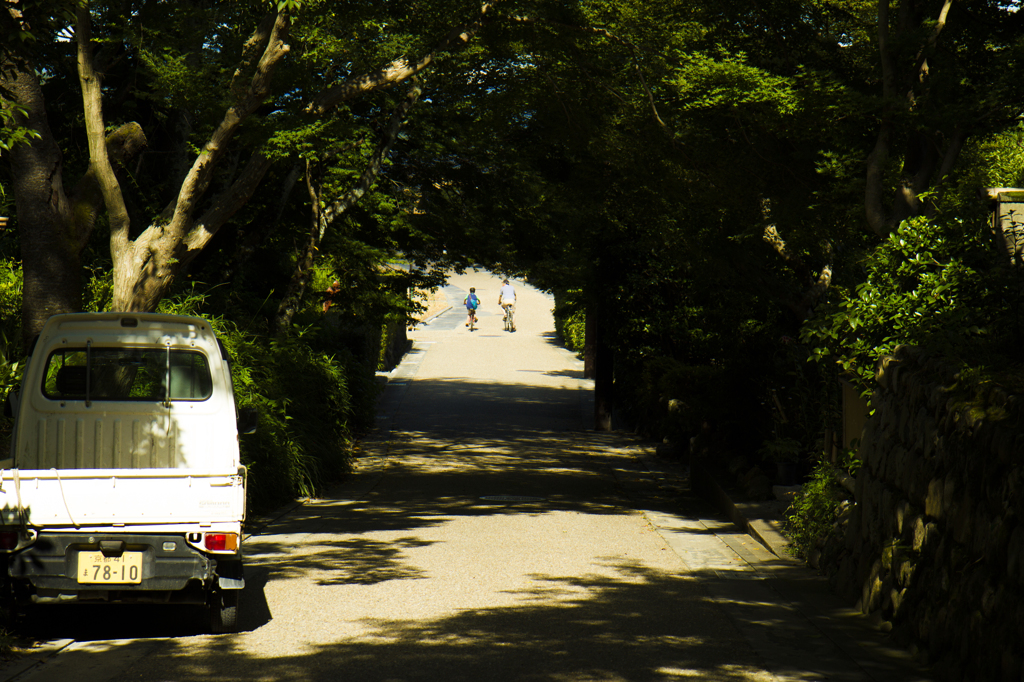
[{"x": 248, "y": 418}]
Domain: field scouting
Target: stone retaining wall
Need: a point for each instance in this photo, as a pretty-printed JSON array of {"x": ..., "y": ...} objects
[{"x": 933, "y": 545}]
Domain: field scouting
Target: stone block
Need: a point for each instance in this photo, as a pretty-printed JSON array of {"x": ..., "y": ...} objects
[
  {"x": 887, "y": 559},
  {"x": 887, "y": 509},
  {"x": 1011, "y": 665},
  {"x": 932, "y": 536},
  {"x": 919, "y": 529},
  {"x": 873, "y": 457},
  {"x": 844, "y": 580},
  {"x": 871, "y": 596},
  {"x": 1015, "y": 556},
  {"x": 852, "y": 541},
  {"x": 949, "y": 491},
  {"x": 867, "y": 434},
  {"x": 991, "y": 597},
  {"x": 984, "y": 531},
  {"x": 1002, "y": 446},
  {"x": 874, "y": 596},
  {"x": 915, "y": 481},
  {"x": 905, "y": 571},
  {"x": 896, "y": 601},
  {"x": 885, "y": 372},
  {"x": 929, "y": 440},
  {"x": 903, "y": 510},
  {"x": 933, "y": 502},
  {"x": 961, "y": 521}
]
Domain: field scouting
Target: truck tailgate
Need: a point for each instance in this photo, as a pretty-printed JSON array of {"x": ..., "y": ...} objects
[{"x": 90, "y": 497}]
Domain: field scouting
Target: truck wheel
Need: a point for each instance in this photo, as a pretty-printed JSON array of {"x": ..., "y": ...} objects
[{"x": 224, "y": 611}]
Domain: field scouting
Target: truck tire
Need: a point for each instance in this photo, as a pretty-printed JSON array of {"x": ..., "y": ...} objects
[{"x": 224, "y": 611}]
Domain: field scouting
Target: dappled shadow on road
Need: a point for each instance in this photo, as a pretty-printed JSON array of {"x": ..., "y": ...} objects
[
  {"x": 511, "y": 404},
  {"x": 454, "y": 452},
  {"x": 630, "y": 623},
  {"x": 441, "y": 467},
  {"x": 622, "y": 620}
]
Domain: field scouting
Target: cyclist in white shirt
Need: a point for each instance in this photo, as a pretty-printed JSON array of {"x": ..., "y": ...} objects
[{"x": 507, "y": 298}]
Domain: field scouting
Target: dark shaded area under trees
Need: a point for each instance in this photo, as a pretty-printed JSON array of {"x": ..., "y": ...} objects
[{"x": 720, "y": 192}]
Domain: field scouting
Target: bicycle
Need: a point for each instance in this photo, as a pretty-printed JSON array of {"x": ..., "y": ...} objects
[
  {"x": 510, "y": 322},
  {"x": 472, "y": 321}
]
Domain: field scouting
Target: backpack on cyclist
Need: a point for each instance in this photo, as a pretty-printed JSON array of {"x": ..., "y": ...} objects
[{"x": 472, "y": 302}]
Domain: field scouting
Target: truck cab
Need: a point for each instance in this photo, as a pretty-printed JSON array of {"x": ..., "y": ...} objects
[{"x": 125, "y": 482}]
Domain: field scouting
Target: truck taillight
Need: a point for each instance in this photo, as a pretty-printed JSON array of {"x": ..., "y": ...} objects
[
  {"x": 221, "y": 542},
  {"x": 8, "y": 540}
]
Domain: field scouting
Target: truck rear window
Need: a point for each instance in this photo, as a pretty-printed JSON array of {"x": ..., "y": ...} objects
[{"x": 153, "y": 374}]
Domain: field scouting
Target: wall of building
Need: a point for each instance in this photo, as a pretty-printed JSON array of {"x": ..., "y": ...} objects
[{"x": 933, "y": 545}]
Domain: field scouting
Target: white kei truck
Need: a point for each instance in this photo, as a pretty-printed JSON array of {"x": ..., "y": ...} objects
[{"x": 125, "y": 482}]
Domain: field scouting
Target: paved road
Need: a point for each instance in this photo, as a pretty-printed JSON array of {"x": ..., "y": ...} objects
[{"x": 488, "y": 536}]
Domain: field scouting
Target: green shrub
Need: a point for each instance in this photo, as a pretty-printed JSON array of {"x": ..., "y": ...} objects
[
  {"x": 10, "y": 307},
  {"x": 573, "y": 331},
  {"x": 10, "y": 332},
  {"x": 930, "y": 284},
  {"x": 815, "y": 509},
  {"x": 301, "y": 393},
  {"x": 570, "y": 320}
]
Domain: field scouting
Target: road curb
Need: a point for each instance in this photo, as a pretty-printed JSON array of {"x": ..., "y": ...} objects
[{"x": 748, "y": 516}]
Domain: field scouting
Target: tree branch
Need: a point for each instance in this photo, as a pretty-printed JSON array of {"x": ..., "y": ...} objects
[
  {"x": 99, "y": 161},
  {"x": 400, "y": 69},
  {"x": 151, "y": 261},
  {"x": 226, "y": 204},
  {"x": 372, "y": 169},
  {"x": 198, "y": 178}
]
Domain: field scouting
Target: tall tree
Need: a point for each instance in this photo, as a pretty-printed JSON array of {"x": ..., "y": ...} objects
[{"x": 231, "y": 123}]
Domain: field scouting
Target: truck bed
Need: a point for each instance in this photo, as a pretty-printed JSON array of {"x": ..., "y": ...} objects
[{"x": 103, "y": 497}]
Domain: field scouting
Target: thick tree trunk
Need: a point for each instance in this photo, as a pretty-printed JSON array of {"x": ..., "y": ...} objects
[
  {"x": 604, "y": 369},
  {"x": 49, "y": 253},
  {"x": 590, "y": 346},
  {"x": 901, "y": 91},
  {"x": 53, "y": 228}
]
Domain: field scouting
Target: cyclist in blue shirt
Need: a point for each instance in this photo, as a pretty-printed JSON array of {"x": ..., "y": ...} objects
[{"x": 472, "y": 302}]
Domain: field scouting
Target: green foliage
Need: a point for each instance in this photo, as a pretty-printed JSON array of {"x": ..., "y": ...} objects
[
  {"x": 931, "y": 283},
  {"x": 303, "y": 441},
  {"x": 729, "y": 81},
  {"x": 570, "y": 322},
  {"x": 815, "y": 509},
  {"x": 99, "y": 290},
  {"x": 10, "y": 321},
  {"x": 674, "y": 400},
  {"x": 782, "y": 449},
  {"x": 12, "y": 134},
  {"x": 10, "y": 327},
  {"x": 301, "y": 393}
]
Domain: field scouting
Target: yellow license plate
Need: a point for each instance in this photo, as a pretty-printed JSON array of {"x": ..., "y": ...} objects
[{"x": 95, "y": 568}]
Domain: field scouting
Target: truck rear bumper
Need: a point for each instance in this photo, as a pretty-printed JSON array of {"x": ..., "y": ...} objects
[{"x": 53, "y": 569}]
